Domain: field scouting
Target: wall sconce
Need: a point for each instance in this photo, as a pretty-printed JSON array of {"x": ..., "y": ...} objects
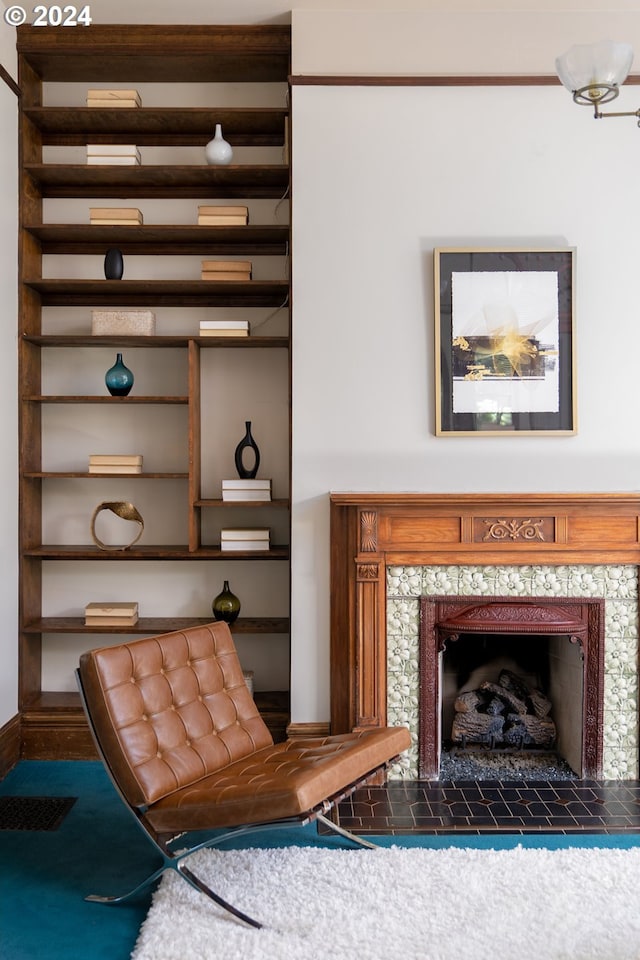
[{"x": 594, "y": 72}]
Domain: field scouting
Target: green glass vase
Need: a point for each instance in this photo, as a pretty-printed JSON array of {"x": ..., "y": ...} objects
[{"x": 226, "y": 605}]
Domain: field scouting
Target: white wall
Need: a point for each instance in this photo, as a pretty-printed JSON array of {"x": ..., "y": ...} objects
[
  {"x": 8, "y": 385},
  {"x": 382, "y": 175},
  {"x": 431, "y": 38}
]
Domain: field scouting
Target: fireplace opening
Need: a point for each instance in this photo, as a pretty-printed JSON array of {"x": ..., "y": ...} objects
[
  {"x": 511, "y": 706},
  {"x": 504, "y": 681}
]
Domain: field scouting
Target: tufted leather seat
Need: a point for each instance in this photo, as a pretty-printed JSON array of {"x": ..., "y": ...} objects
[{"x": 188, "y": 750}]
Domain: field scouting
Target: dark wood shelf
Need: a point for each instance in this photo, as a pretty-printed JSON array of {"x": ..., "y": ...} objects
[
  {"x": 50, "y": 398},
  {"x": 136, "y": 293},
  {"x": 148, "y": 53},
  {"x": 71, "y": 475},
  {"x": 155, "y": 625},
  {"x": 160, "y": 181},
  {"x": 146, "y": 239},
  {"x": 52, "y": 724},
  {"x": 167, "y": 126},
  {"x": 90, "y": 340},
  {"x": 169, "y": 552}
]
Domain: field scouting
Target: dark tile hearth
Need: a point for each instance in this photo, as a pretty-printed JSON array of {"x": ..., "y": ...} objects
[{"x": 494, "y": 806}]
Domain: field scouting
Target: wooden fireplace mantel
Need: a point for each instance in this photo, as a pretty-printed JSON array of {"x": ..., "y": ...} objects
[{"x": 371, "y": 531}]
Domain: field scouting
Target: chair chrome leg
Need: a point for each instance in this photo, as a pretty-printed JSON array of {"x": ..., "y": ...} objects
[
  {"x": 203, "y": 888},
  {"x": 346, "y": 833},
  {"x": 96, "y": 898},
  {"x": 190, "y": 878}
]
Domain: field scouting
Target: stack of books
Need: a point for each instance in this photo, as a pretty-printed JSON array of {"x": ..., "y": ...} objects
[
  {"x": 239, "y": 489},
  {"x": 113, "y": 154},
  {"x": 118, "y": 614},
  {"x": 223, "y": 216},
  {"x": 115, "y": 463},
  {"x": 244, "y": 538},
  {"x": 226, "y": 270},
  {"x": 224, "y": 328},
  {"x": 125, "y": 216},
  {"x": 113, "y": 98}
]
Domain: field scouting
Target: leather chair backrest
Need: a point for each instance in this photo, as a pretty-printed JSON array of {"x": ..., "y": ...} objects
[{"x": 170, "y": 710}]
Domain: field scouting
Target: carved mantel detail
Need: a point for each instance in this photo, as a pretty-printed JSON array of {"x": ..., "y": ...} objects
[
  {"x": 515, "y": 528},
  {"x": 368, "y": 531},
  {"x": 367, "y": 572}
]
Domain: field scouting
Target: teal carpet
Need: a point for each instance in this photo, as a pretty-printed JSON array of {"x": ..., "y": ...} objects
[{"x": 98, "y": 848}]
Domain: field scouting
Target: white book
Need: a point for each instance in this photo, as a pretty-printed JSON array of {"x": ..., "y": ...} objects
[
  {"x": 224, "y": 333},
  {"x": 237, "y": 545},
  {"x": 242, "y": 495},
  {"x": 118, "y": 608},
  {"x": 112, "y": 93},
  {"x": 113, "y": 161},
  {"x": 208, "y": 210},
  {"x": 226, "y": 266},
  {"x": 245, "y": 533},
  {"x": 119, "y": 213},
  {"x": 226, "y": 277},
  {"x": 240, "y": 483},
  {"x": 113, "y": 222},
  {"x": 116, "y": 468},
  {"x": 111, "y": 149},
  {"x": 112, "y": 104},
  {"x": 224, "y": 324},
  {"x": 129, "y": 459},
  {"x": 209, "y": 220}
]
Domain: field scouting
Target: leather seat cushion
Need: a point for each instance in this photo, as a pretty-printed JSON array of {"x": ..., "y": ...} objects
[{"x": 280, "y": 781}]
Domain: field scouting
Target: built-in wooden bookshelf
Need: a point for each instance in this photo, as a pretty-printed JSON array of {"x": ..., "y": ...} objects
[{"x": 52, "y": 722}]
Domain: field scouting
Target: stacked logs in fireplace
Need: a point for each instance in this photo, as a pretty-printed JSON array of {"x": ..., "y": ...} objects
[{"x": 507, "y": 714}]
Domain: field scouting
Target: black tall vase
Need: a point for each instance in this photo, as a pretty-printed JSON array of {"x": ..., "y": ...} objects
[
  {"x": 113, "y": 264},
  {"x": 247, "y": 442}
]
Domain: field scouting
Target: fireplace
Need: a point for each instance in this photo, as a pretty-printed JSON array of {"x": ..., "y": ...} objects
[
  {"x": 391, "y": 551},
  {"x": 548, "y": 646}
]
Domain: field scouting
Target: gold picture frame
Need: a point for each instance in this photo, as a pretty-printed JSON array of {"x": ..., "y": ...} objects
[{"x": 505, "y": 341}]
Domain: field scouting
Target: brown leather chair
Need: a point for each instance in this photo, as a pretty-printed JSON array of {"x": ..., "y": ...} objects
[{"x": 187, "y": 750}]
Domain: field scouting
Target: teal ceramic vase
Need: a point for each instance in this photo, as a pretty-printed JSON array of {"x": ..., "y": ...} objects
[{"x": 118, "y": 378}]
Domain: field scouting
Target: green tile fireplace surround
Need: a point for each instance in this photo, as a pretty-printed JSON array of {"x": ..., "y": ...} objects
[{"x": 618, "y": 585}]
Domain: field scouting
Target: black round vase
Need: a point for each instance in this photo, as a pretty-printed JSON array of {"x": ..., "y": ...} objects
[
  {"x": 113, "y": 264},
  {"x": 247, "y": 442}
]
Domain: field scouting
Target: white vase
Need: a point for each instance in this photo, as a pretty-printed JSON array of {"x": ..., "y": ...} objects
[{"x": 218, "y": 152}]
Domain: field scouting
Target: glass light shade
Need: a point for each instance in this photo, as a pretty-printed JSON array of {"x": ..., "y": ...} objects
[{"x": 597, "y": 65}]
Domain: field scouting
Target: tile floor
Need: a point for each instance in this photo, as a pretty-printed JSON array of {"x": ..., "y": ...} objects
[{"x": 494, "y": 806}]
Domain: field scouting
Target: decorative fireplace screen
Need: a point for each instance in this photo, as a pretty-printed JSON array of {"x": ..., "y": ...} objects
[{"x": 511, "y": 717}]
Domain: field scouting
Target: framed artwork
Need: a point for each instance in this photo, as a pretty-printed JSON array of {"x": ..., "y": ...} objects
[{"x": 504, "y": 335}]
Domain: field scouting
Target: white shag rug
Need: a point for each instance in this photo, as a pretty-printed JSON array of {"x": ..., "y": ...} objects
[{"x": 414, "y": 904}]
